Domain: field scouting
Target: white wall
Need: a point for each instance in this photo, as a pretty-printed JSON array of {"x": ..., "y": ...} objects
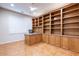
[{"x": 13, "y": 26}]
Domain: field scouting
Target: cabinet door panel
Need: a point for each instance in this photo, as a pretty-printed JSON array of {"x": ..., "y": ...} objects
[
  {"x": 52, "y": 39},
  {"x": 45, "y": 38},
  {"x": 57, "y": 38},
  {"x": 64, "y": 42},
  {"x": 38, "y": 38},
  {"x": 74, "y": 44},
  {"x": 32, "y": 39}
]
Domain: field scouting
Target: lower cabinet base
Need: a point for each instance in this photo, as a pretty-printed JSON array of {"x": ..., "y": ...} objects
[
  {"x": 54, "y": 40},
  {"x": 65, "y": 42},
  {"x": 45, "y": 38},
  {"x": 74, "y": 44}
]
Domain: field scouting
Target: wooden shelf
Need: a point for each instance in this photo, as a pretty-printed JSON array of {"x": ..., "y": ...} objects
[
  {"x": 46, "y": 21},
  {"x": 56, "y": 28},
  {"x": 47, "y": 25},
  {"x": 58, "y": 14},
  {"x": 46, "y": 17},
  {"x": 60, "y": 27},
  {"x": 71, "y": 16},
  {"x": 71, "y": 23},
  {"x": 39, "y": 26},
  {"x": 71, "y": 20},
  {"x": 59, "y": 21},
  {"x": 71, "y": 28},
  {"x": 47, "y": 28},
  {"x": 40, "y": 22},
  {"x": 71, "y": 10},
  {"x": 56, "y": 24},
  {"x": 55, "y": 20}
]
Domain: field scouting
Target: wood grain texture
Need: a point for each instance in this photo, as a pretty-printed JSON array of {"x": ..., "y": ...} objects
[
  {"x": 45, "y": 38},
  {"x": 52, "y": 40},
  {"x": 74, "y": 44},
  {"x": 64, "y": 42},
  {"x": 42, "y": 49},
  {"x": 33, "y": 39},
  {"x": 58, "y": 42}
]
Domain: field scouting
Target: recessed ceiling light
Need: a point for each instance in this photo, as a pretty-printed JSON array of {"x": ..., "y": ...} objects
[
  {"x": 32, "y": 8},
  {"x": 11, "y": 5}
]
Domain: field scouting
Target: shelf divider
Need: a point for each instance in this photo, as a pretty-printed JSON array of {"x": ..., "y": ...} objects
[{"x": 61, "y": 21}]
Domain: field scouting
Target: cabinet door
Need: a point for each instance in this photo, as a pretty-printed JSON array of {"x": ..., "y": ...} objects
[
  {"x": 38, "y": 38},
  {"x": 45, "y": 38},
  {"x": 57, "y": 40},
  {"x": 74, "y": 44},
  {"x": 64, "y": 42},
  {"x": 52, "y": 39},
  {"x": 32, "y": 39}
]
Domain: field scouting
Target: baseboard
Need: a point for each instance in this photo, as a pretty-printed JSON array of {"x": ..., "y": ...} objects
[{"x": 10, "y": 41}]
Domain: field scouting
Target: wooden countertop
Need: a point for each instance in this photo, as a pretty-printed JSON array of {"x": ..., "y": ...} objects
[{"x": 32, "y": 34}]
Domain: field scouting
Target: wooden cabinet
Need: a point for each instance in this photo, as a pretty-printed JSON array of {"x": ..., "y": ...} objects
[
  {"x": 57, "y": 40},
  {"x": 63, "y": 21},
  {"x": 52, "y": 40},
  {"x": 64, "y": 42},
  {"x": 45, "y": 38},
  {"x": 70, "y": 43},
  {"x": 74, "y": 44},
  {"x": 32, "y": 39},
  {"x": 39, "y": 38}
]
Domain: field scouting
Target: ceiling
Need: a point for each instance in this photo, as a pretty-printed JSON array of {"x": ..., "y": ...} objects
[{"x": 24, "y": 8}]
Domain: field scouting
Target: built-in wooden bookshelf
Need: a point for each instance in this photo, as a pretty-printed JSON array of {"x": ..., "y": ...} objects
[
  {"x": 56, "y": 22},
  {"x": 40, "y": 22},
  {"x": 71, "y": 20},
  {"x": 40, "y": 25},
  {"x": 46, "y": 22},
  {"x": 33, "y": 22},
  {"x": 35, "y": 25},
  {"x": 61, "y": 22},
  {"x": 37, "y": 22},
  {"x": 60, "y": 27}
]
